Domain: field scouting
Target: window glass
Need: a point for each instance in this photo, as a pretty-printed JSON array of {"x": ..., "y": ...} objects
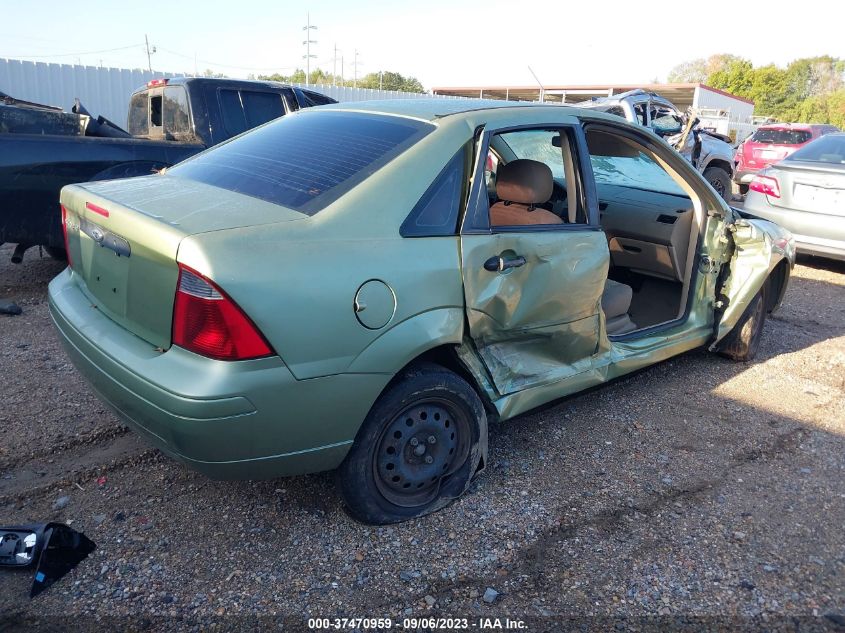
[
  {"x": 138, "y": 120},
  {"x": 615, "y": 162},
  {"x": 260, "y": 107},
  {"x": 177, "y": 119},
  {"x": 437, "y": 211},
  {"x": 232, "y": 111},
  {"x": 825, "y": 149},
  {"x": 315, "y": 98},
  {"x": 781, "y": 136},
  {"x": 305, "y": 162},
  {"x": 537, "y": 145}
]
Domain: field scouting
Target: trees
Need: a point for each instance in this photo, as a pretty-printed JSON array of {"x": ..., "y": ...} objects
[
  {"x": 808, "y": 89},
  {"x": 388, "y": 80}
]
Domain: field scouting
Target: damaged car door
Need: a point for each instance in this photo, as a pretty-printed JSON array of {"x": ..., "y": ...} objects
[{"x": 534, "y": 263}]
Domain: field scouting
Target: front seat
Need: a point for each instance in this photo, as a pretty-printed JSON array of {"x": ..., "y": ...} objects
[
  {"x": 520, "y": 185},
  {"x": 615, "y": 302}
]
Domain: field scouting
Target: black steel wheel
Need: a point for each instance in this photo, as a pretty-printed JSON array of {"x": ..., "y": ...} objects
[{"x": 419, "y": 448}]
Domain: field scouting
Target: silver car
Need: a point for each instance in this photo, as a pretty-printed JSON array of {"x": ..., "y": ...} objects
[{"x": 805, "y": 193}]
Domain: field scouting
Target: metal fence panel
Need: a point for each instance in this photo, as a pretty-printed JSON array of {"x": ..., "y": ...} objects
[{"x": 106, "y": 91}]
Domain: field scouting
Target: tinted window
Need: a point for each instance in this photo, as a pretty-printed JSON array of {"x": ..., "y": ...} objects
[
  {"x": 177, "y": 119},
  {"x": 825, "y": 149},
  {"x": 139, "y": 115},
  {"x": 233, "y": 112},
  {"x": 781, "y": 136},
  {"x": 260, "y": 107},
  {"x": 155, "y": 111},
  {"x": 305, "y": 161},
  {"x": 437, "y": 211}
]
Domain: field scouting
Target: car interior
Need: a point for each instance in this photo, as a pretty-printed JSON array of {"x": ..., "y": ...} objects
[{"x": 648, "y": 218}]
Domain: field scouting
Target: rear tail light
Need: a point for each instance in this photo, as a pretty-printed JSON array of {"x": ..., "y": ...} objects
[
  {"x": 766, "y": 185},
  {"x": 206, "y": 321},
  {"x": 64, "y": 234}
]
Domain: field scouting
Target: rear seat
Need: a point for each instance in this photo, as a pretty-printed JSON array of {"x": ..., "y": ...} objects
[{"x": 615, "y": 302}]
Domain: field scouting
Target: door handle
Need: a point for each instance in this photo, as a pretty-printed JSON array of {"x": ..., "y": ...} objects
[{"x": 499, "y": 264}]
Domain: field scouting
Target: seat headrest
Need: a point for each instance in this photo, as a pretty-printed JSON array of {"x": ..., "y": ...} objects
[{"x": 524, "y": 181}]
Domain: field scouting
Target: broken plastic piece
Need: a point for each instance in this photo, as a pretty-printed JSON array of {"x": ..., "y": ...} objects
[{"x": 57, "y": 548}]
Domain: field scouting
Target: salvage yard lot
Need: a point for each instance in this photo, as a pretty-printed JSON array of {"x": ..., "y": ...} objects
[{"x": 698, "y": 486}]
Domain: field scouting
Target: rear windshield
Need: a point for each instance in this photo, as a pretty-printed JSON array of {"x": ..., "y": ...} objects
[
  {"x": 781, "y": 136},
  {"x": 826, "y": 149},
  {"x": 307, "y": 160}
]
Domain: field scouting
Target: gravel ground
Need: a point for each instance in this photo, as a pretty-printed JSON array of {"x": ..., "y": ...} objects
[{"x": 699, "y": 488}]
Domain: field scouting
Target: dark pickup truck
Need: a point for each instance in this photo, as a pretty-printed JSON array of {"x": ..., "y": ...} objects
[{"x": 42, "y": 149}]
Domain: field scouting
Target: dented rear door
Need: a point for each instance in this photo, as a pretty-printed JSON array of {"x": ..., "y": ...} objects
[{"x": 532, "y": 293}]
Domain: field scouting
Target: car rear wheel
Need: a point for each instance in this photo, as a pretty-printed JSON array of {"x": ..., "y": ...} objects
[
  {"x": 720, "y": 180},
  {"x": 741, "y": 343},
  {"x": 418, "y": 450}
]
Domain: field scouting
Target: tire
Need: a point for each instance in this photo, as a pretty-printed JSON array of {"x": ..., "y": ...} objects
[
  {"x": 399, "y": 467},
  {"x": 720, "y": 181},
  {"x": 743, "y": 341},
  {"x": 57, "y": 253}
]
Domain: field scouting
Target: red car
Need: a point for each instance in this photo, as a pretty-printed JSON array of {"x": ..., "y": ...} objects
[{"x": 771, "y": 144}]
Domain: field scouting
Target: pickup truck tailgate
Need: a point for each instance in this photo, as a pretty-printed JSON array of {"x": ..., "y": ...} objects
[{"x": 124, "y": 235}]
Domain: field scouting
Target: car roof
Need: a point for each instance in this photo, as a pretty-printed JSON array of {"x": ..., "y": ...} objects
[{"x": 438, "y": 108}]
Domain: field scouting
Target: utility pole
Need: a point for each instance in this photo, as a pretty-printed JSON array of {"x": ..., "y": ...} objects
[
  {"x": 380, "y": 77},
  {"x": 334, "y": 67},
  {"x": 355, "y": 68},
  {"x": 308, "y": 42},
  {"x": 341, "y": 71},
  {"x": 539, "y": 83},
  {"x": 149, "y": 52}
]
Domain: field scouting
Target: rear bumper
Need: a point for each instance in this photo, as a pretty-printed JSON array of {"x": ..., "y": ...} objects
[
  {"x": 799, "y": 224},
  {"x": 229, "y": 420},
  {"x": 744, "y": 176}
]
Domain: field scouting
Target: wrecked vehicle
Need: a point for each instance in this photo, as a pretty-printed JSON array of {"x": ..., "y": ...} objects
[
  {"x": 711, "y": 153},
  {"x": 359, "y": 287},
  {"x": 43, "y": 148}
]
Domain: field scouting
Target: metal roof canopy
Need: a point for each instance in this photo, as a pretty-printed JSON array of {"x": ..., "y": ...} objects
[{"x": 681, "y": 94}]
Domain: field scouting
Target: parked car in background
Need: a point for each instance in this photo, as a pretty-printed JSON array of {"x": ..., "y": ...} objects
[
  {"x": 771, "y": 143},
  {"x": 43, "y": 149},
  {"x": 342, "y": 289},
  {"x": 805, "y": 193},
  {"x": 709, "y": 152}
]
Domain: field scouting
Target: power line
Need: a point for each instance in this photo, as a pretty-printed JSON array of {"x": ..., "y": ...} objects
[{"x": 211, "y": 63}]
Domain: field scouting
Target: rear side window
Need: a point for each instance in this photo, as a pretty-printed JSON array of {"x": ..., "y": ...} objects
[
  {"x": 825, "y": 149},
  {"x": 177, "y": 119},
  {"x": 305, "y": 161},
  {"x": 436, "y": 214},
  {"x": 245, "y": 109},
  {"x": 781, "y": 136},
  {"x": 137, "y": 123}
]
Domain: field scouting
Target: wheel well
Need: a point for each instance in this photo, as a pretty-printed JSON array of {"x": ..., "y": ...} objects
[
  {"x": 446, "y": 356},
  {"x": 721, "y": 164},
  {"x": 777, "y": 282}
]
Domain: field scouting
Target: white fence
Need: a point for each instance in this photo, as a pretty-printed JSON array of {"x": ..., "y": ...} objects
[
  {"x": 106, "y": 91},
  {"x": 103, "y": 91}
]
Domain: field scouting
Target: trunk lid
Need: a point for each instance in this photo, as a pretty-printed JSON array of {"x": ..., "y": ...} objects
[
  {"x": 124, "y": 236},
  {"x": 810, "y": 187}
]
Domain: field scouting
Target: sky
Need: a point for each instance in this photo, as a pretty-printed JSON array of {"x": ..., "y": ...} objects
[{"x": 440, "y": 42}]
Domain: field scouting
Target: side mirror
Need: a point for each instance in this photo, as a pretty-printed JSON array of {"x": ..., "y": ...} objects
[
  {"x": 17, "y": 547},
  {"x": 57, "y": 548}
]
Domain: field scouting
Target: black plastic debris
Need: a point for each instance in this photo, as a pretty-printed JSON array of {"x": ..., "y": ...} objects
[
  {"x": 9, "y": 307},
  {"x": 56, "y": 547}
]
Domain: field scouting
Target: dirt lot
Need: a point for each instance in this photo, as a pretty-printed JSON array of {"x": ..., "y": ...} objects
[{"x": 697, "y": 488}]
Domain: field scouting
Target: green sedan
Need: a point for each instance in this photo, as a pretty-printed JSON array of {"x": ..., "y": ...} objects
[{"x": 364, "y": 287}]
